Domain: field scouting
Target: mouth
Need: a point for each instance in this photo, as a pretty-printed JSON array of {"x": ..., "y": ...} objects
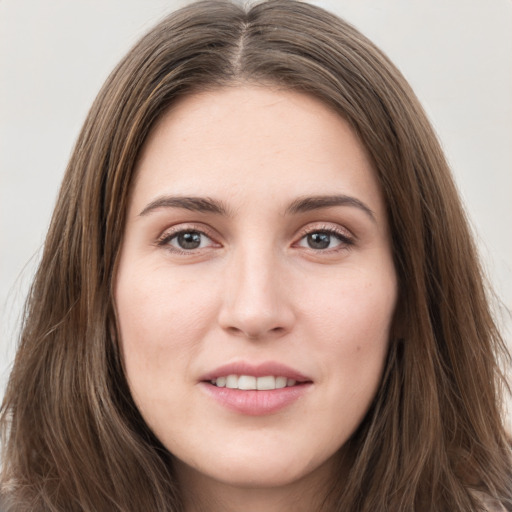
[
  {"x": 251, "y": 382},
  {"x": 266, "y": 376},
  {"x": 256, "y": 390}
]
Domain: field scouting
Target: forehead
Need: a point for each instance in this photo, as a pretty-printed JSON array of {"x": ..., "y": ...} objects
[{"x": 237, "y": 138}]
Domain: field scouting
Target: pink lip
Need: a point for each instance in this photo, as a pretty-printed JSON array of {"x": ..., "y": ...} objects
[{"x": 256, "y": 403}]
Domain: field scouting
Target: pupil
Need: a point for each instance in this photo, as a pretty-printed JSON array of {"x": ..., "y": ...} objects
[
  {"x": 319, "y": 240},
  {"x": 190, "y": 240}
]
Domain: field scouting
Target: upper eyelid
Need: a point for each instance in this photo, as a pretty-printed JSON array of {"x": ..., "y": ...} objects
[
  {"x": 345, "y": 236},
  {"x": 213, "y": 235},
  {"x": 172, "y": 231},
  {"x": 327, "y": 227}
]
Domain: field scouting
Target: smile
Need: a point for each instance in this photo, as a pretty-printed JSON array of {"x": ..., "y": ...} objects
[
  {"x": 255, "y": 389},
  {"x": 250, "y": 382}
]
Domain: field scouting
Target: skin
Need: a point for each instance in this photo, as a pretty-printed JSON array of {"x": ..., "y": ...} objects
[{"x": 254, "y": 290}]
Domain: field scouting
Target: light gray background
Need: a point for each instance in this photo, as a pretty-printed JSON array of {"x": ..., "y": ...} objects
[{"x": 55, "y": 54}]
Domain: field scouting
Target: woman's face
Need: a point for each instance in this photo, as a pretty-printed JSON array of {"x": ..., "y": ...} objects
[{"x": 256, "y": 254}]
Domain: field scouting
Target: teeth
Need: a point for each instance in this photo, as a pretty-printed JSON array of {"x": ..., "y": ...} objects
[
  {"x": 248, "y": 382},
  {"x": 265, "y": 383},
  {"x": 281, "y": 382},
  {"x": 232, "y": 381}
]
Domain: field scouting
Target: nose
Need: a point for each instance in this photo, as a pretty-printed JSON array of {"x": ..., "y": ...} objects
[{"x": 256, "y": 301}]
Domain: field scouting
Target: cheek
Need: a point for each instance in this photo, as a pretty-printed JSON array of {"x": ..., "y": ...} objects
[
  {"x": 152, "y": 304},
  {"x": 161, "y": 325},
  {"x": 356, "y": 311},
  {"x": 352, "y": 327}
]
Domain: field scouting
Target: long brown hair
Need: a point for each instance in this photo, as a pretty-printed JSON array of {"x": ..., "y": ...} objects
[{"x": 73, "y": 438}]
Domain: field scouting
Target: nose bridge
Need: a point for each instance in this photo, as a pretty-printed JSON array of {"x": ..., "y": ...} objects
[{"x": 255, "y": 302}]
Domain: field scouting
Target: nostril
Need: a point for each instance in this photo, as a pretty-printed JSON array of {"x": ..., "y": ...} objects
[
  {"x": 256, "y": 316},
  {"x": 258, "y": 334}
]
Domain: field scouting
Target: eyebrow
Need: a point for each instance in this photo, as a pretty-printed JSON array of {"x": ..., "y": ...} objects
[
  {"x": 310, "y": 203},
  {"x": 195, "y": 204},
  {"x": 300, "y": 205}
]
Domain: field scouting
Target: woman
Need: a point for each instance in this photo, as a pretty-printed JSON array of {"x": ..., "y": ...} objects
[{"x": 258, "y": 290}]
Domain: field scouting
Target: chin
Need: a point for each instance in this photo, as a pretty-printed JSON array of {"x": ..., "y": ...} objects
[
  {"x": 255, "y": 478},
  {"x": 266, "y": 470}
]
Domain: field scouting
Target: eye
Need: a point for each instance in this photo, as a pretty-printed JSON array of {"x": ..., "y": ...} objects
[
  {"x": 186, "y": 240},
  {"x": 325, "y": 239}
]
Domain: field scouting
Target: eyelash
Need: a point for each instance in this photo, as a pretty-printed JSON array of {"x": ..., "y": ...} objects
[
  {"x": 346, "y": 241},
  {"x": 168, "y": 236}
]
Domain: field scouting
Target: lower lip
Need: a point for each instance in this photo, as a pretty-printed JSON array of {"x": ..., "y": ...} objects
[{"x": 256, "y": 403}]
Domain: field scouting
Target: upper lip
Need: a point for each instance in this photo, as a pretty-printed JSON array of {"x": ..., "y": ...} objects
[{"x": 257, "y": 370}]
